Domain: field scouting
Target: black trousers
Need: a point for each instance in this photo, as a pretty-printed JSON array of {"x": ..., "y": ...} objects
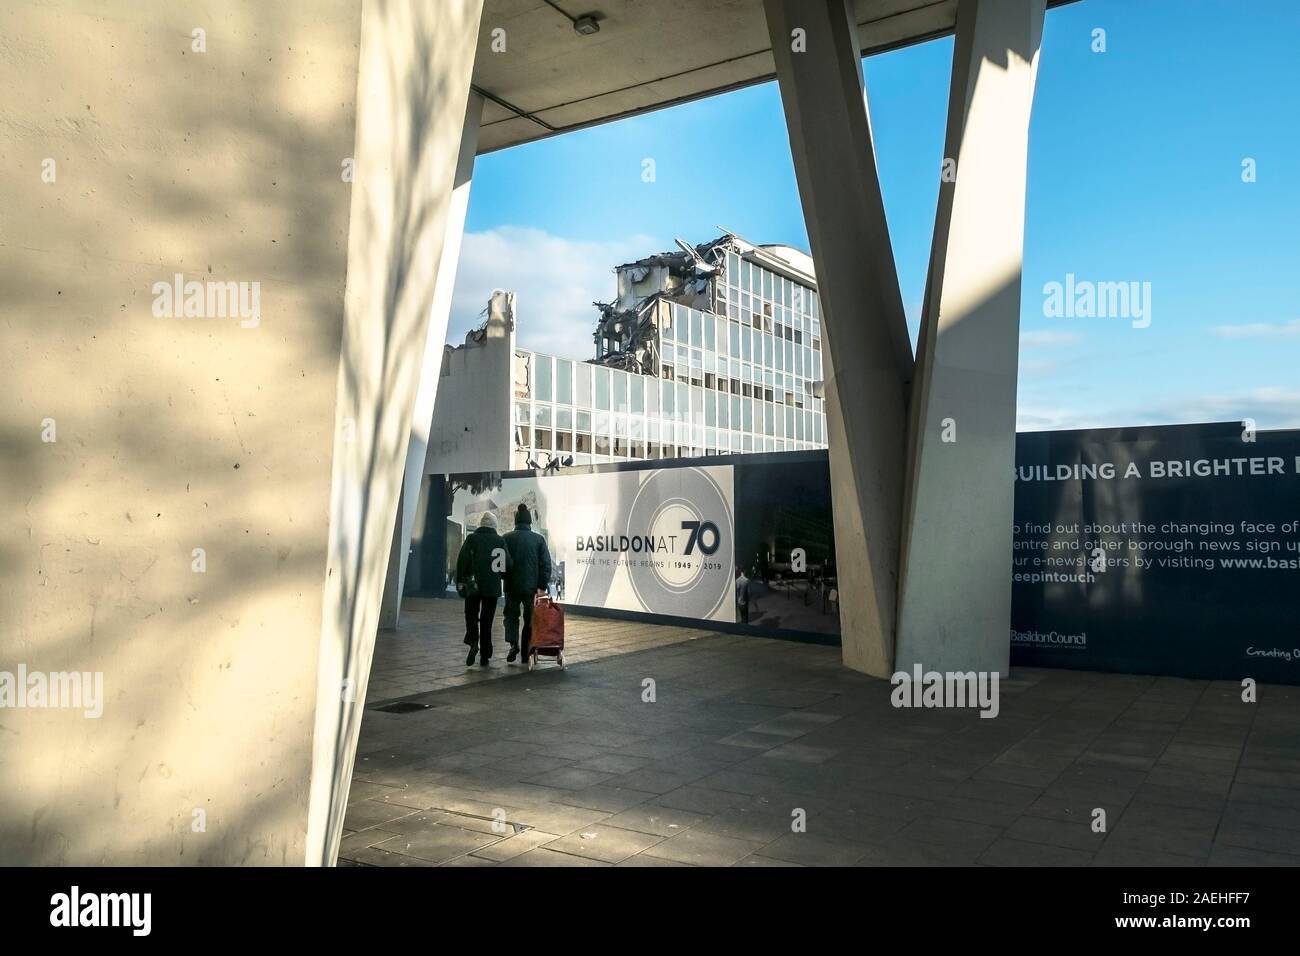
[
  {"x": 479, "y": 612},
  {"x": 515, "y": 605}
]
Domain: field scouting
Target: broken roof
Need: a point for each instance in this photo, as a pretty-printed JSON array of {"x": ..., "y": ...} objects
[{"x": 786, "y": 260}]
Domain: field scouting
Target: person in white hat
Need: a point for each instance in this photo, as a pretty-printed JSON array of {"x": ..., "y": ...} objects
[{"x": 480, "y": 566}]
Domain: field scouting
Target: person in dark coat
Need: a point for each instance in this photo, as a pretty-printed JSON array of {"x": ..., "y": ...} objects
[
  {"x": 529, "y": 574},
  {"x": 742, "y": 595},
  {"x": 480, "y": 566}
]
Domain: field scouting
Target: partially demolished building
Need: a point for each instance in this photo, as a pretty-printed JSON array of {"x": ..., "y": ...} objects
[{"x": 709, "y": 349}]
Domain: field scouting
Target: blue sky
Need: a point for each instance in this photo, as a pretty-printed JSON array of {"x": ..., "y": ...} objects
[{"x": 1135, "y": 174}]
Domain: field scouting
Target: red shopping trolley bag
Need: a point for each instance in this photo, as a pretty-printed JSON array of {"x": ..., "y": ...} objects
[{"x": 547, "y": 639}]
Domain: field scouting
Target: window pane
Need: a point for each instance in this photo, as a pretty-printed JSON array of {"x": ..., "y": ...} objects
[
  {"x": 602, "y": 388},
  {"x": 583, "y": 394},
  {"x": 564, "y": 381},
  {"x": 542, "y": 378},
  {"x": 620, "y": 391}
]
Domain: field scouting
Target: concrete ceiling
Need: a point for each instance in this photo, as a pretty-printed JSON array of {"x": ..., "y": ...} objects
[{"x": 648, "y": 54}]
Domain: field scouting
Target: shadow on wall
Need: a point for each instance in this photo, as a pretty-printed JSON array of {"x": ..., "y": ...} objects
[
  {"x": 402, "y": 252},
  {"x": 210, "y": 432}
]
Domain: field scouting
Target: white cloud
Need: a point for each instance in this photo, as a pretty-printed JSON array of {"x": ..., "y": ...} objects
[
  {"x": 1256, "y": 330},
  {"x": 1038, "y": 368},
  {"x": 1033, "y": 364},
  {"x": 555, "y": 281},
  {"x": 1049, "y": 340},
  {"x": 1046, "y": 418},
  {"x": 1269, "y": 407}
]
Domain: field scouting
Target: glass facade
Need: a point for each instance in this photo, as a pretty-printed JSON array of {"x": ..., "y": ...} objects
[{"x": 743, "y": 378}]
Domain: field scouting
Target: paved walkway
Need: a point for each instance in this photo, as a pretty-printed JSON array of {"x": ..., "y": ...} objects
[
  {"x": 426, "y": 651},
  {"x": 577, "y": 768}
]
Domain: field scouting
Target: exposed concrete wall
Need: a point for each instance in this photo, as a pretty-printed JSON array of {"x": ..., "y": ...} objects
[
  {"x": 934, "y": 519},
  {"x": 868, "y": 358},
  {"x": 431, "y": 368},
  {"x": 473, "y": 418},
  {"x": 413, "y": 93},
  {"x": 172, "y": 433},
  {"x": 955, "y": 591}
]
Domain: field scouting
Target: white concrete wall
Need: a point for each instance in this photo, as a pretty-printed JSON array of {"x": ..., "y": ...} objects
[
  {"x": 473, "y": 417},
  {"x": 172, "y": 433}
]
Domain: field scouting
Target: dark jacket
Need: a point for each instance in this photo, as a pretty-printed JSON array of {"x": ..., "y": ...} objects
[
  {"x": 530, "y": 560},
  {"x": 476, "y": 555}
]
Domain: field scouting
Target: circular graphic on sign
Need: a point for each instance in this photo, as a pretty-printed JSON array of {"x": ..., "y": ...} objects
[{"x": 686, "y": 510}]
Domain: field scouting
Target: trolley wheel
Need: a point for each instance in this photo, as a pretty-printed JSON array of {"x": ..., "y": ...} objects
[
  {"x": 560, "y": 659},
  {"x": 532, "y": 659}
]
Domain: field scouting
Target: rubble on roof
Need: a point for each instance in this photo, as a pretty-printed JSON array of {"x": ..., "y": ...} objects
[{"x": 626, "y": 334}]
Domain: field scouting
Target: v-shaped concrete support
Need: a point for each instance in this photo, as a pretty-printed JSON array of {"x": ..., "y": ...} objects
[
  {"x": 868, "y": 357},
  {"x": 922, "y": 524}
]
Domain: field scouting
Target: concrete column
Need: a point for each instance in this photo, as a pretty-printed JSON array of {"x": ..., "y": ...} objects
[
  {"x": 867, "y": 355},
  {"x": 391, "y": 602},
  {"x": 955, "y": 591},
  {"x": 165, "y": 460},
  {"x": 430, "y": 372},
  {"x": 413, "y": 97}
]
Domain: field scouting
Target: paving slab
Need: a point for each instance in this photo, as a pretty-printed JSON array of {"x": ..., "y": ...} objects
[
  {"x": 603, "y": 842},
  {"x": 744, "y": 730},
  {"x": 704, "y": 849}
]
